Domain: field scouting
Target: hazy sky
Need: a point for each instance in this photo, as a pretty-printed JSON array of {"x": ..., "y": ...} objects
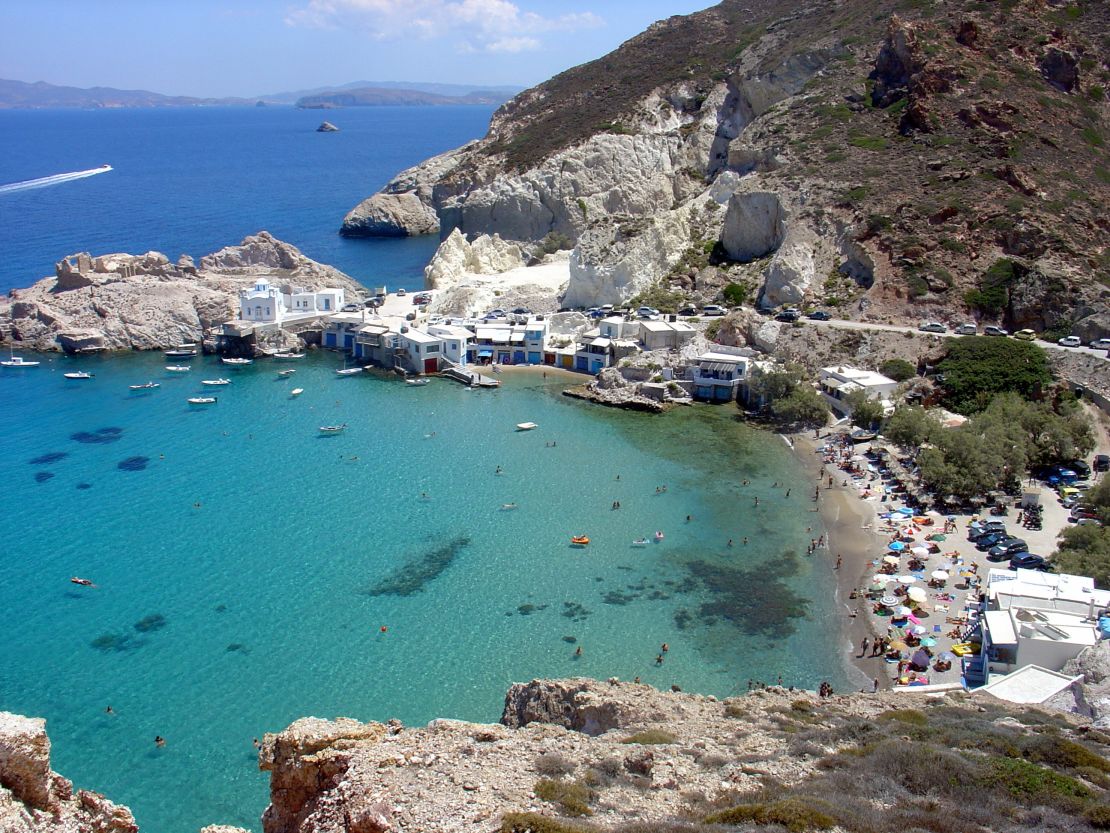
[{"x": 251, "y": 47}]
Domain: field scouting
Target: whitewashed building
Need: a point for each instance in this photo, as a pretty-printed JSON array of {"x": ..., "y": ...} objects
[
  {"x": 456, "y": 341},
  {"x": 265, "y": 303},
  {"x": 836, "y": 383},
  {"x": 718, "y": 374},
  {"x": 661, "y": 335}
]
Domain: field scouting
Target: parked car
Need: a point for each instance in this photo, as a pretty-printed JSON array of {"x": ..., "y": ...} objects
[
  {"x": 1025, "y": 335},
  {"x": 522, "y": 311},
  {"x": 933, "y": 327},
  {"x": 1028, "y": 561},
  {"x": 819, "y": 315},
  {"x": 1080, "y": 468},
  {"x": 1100, "y": 344},
  {"x": 713, "y": 309},
  {"x": 1070, "y": 341},
  {"x": 594, "y": 312},
  {"x": 688, "y": 310},
  {"x": 647, "y": 312},
  {"x": 350, "y": 308},
  {"x": 967, "y": 330},
  {"x": 985, "y": 542},
  {"x": 1102, "y": 462},
  {"x": 993, "y": 528},
  {"x": 789, "y": 314},
  {"x": 1007, "y": 549},
  {"x": 422, "y": 298},
  {"x": 991, "y": 330},
  {"x": 401, "y": 293}
]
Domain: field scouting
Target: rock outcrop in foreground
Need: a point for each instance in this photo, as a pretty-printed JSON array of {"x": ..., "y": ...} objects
[
  {"x": 147, "y": 302},
  {"x": 34, "y": 799},
  {"x": 631, "y": 758}
]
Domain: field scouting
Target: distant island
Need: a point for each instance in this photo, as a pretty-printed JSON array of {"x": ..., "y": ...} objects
[
  {"x": 21, "y": 95},
  {"x": 379, "y": 96}
]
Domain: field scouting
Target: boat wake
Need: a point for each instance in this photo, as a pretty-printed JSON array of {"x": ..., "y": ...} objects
[{"x": 56, "y": 179}]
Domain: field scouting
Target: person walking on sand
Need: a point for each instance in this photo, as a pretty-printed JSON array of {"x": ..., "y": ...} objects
[
  {"x": 839, "y": 561},
  {"x": 863, "y": 646},
  {"x": 875, "y": 685}
]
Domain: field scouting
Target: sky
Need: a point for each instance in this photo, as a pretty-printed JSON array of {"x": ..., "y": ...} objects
[{"x": 253, "y": 47}]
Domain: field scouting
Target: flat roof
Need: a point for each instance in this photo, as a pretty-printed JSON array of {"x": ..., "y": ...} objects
[
  {"x": 655, "y": 326},
  {"x": 600, "y": 342},
  {"x": 346, "y": 317},
  {"x": 866, "y": 378},
  {"x": 1029, "y": 684},
  {"x": 1000, "y": 626},
  {"x": 419, "y": 337},
  {"x": 450, "y": 331},
  {"x": 722, "y": 357}
]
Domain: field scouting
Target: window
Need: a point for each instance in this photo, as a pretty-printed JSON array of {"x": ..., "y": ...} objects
[
  {"x": 258, "y": 311},
  {"x": 267, "y": 312},
  {"x": 432, "y": 348}
]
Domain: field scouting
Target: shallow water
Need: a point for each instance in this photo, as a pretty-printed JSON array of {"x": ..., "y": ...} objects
[{"x": 212, "y": 624}]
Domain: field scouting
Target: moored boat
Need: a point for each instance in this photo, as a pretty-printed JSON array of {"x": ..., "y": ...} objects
[
  {"x": 658, "y": 536},
  {"x": 17, "y": 361},
  {"x": 296, "y": 391},
  {"x": 284, "y": 373},
  {"x": 201, "y": 400},
  {"x": 579, "y": 541},
  {"x": 333, "y": 429},
  {"x": 78, "y": 374},
  {"x": 348, "y": 371},
  {"x": 181, "y": 351},
  {"x": 146, "y": 386},
  {"x": 234, "y": 362},
  {"x": 288, "y": 356},
  {"x": 640, "y": 542},
  {"x": 416, "y": 382},
  {"x": 214, "y": 382},
  {"x": 178, "y": 368},
  {"x": 526, "y": 426}
]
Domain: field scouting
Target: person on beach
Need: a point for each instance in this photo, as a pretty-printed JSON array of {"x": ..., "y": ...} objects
[
  {"x": 875, "y": 685},
  {"x": 863, "y": 646},
  {"x": 839, "y": 561}
]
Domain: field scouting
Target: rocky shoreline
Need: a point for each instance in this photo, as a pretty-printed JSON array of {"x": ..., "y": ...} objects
[{"x": 146, "y": 302}]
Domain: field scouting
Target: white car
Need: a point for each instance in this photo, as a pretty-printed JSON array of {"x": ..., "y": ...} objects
[
  {"x": 1070, "y": 341},
  {"x": 713, "y": 309},
  {"x": 967, "y": 330},
  {"x": 1100, "y": 344},
  {"x": 933, "y": 327},
  {"x": 647, "y": 312}
]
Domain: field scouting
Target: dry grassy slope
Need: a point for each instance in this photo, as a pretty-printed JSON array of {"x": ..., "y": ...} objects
[{"x": 980, "y": 136}]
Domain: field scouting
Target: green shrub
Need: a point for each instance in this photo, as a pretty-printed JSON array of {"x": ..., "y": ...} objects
[
  {"x": 573, "y": 798},
  {"x": 913, "y": 717},
  {"x": 553, "y": 764},
  {"x": 535, "y": 823},
  {"x": 898, "y": 369},
  {"x": 651, "y": 736},
  {"x": 1098, "y": 816},
  {"x": 1059, "y": 752},
  {"x": 794, "y": 814},
  {"x": 1033, "y": 784},
  {"x": 869, "y": 142},
  {"x": 736, "y": 294}
]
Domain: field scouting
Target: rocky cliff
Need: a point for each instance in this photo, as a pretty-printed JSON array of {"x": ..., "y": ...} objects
[
  {"x": 630, "y": 758},
  {"x": 886, "y": 158},
  {"x": 147, "y": 302}
]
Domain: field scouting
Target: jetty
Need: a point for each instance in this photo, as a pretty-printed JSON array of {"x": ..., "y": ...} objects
[{"x": 469, "y": 377}]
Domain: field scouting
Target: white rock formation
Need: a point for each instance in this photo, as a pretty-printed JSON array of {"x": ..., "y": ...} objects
[
  {"x": 755, "y": 225},
  {"x": 790, "y": 275}
]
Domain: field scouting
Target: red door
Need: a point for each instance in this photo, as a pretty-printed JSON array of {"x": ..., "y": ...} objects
[{"x": 431, "y": 365}]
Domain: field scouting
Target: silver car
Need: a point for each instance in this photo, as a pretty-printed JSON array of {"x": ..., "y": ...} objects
[{"x": 967, "y": 330}]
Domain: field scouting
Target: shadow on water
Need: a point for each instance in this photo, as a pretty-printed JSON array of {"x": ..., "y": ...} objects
[
  {"x": 43, "y": 476},
  {"x": 151, "y": 623},
  {"x": 101, "y": 436},
  {"x": 84, "y": 486},
  {"x": 116, "y": 642},
  {"x": 48, "y": 458},
  {"x": 757, "y": 601},
  {"x": 416, "y": 575},
  {"x": 137, "y": 463}
]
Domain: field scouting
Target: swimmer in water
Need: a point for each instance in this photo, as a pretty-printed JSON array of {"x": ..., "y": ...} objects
[{"x": 159, "y": 741}]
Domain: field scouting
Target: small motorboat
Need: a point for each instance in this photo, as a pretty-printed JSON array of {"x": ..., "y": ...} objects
[
  {"x": 526, "y": 426},
  {"x": 416, "y": 382},
  {"x": 146, "y": 386},
  {"x": 348, "y": 371},
  {"x": 181, "y": 351},
  {"x": 640, "y": 542},
  {"x": 84, "y": 582},
  {"x": 213, "y": 382},
  {"x": 296, "y": 391},
  {"x": 17, "y": 361},
  {"x": 287, "y": 357},
  {"x": 658, "y": 536},
  {"x": 78, "y": 374},
  {"x": 201, "y": 400},
  {"x": 234, "y": 362},
  {"x": 333, "y": 429},
  {"x": 178, "y": 368},
  {"x": 508, "y": 507},
  {"x": 579, "y": 541},
  {"x": 286, "y": 373}
]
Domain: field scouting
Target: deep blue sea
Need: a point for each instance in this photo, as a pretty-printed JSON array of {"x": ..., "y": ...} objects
[{"x": 245, "y": 565}]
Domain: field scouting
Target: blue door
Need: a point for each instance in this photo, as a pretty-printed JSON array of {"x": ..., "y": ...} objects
[
  {"x": 348, "y": 341},
  {"x": 518, "y": 357},
  {"x": 580, "y": 363},
  {"x": 329, "y": 339},
  {"x": 596, "y": 367},
  {"x": 535, "y": 358}
]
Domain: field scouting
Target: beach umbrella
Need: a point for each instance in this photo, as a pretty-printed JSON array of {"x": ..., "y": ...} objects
[
  {"x": 883, "y": 578},
  {"x": 940, "y": 575},
  {"x": 888, "y": 601},
  {"x": 928, "y": 642},
  {"x": 902, "y": 612},
  {"x": 919, "y": 630},
  {"x": 896, "y": 546},
  {"x": 938, "y": 536},
  {"x": 946, "y": 656},
  {"x": 906, "y": 580},
  {"x": 922, "y": 551},
  {"x": 899, "y": 645},
  {"x": 916, "y": 593},
  {"x": 890, "y": 559},
  {"x": 920, "y": 658}
]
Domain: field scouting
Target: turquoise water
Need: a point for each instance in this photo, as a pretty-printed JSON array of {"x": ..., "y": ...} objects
[{"x": 213, "y": 624}]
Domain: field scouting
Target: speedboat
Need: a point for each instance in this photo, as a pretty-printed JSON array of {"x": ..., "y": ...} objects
[
  {"x": 84, "y": 582},
  {"x": 640, "y": 542},
  {"x": 181, "y": 351},
  {"x": 236, "y": 362},
  {"x": 333, "y": 429},
  {"x": 348, "y": 371},
  {"x": 215, "y": 381},
  {"x": 201, "y": 400},
  {"x": 286, "y": 372},
  {"x": 288, "y": 356},
  {"x": 17, "y": 361},
  {"x": 416, "y": 382},
  {"x": 147, "y": 386},
  {"x": 178, "y": 368},
  {"x": 296, "y": 391},
  {"x": 78, "y": 374},
  {"x": 579, "y": 541},
  {"x": 526, "y": 426}
]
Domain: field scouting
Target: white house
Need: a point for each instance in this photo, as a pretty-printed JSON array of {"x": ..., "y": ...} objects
[
  {"x": 418, "y": 352},
  {"x": 718, "y": 374},
  {"x": 456, "y": 341},
  {"x": 836, "y": 383},
  {"x": 264, "y": 303},
  {"x": 617, "y": 327},
  {"x": 659, "y": 335}
]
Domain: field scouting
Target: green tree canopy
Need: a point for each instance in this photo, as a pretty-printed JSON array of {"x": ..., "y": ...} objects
[
  {"x": 865, "y": 411},
  {"x": 803, "y": 406},
  {"x": 898, "y": 369},
  {"x": 975, "y": 369},
  {"x": 910, "y": 426}
]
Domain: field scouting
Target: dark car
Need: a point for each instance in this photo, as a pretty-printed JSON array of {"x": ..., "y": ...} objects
[
  {"x": 1102, "y": 462},
  {"x": 1007, "y": 549},
  {"x": 1080, "y": 468},
  {"x": 992, "y": 528},
  {"x": 1028, "y": 561},
  {"x": 688, "y": 311},
  {"x": 788, "y": 315},
  {"x": 819, "y": 315},
  {"x": 985, "y": 542}
]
